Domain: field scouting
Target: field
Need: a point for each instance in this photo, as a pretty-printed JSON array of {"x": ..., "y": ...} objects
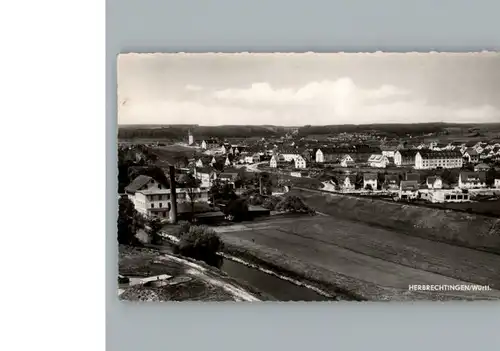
[
  {"x": 368, "y": 262},
  {"x": 491, "y": 207}
]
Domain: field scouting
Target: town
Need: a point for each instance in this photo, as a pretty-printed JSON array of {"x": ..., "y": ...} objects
[{"x": 214, "y": 183}]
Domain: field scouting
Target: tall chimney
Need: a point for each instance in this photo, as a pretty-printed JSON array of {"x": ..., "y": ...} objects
[{"x": 173, "y": 196}]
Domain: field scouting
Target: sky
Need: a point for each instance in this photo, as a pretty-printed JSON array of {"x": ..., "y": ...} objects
[{"x": 301, "y": 89}]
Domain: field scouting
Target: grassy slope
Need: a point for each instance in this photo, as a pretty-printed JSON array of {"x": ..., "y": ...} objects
[{"x": 474, "y": 231}]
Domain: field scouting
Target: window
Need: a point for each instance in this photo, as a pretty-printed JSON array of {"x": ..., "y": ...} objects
[
  {"x": 161, "y": 205},
  {"x": 152, "y": 205}
]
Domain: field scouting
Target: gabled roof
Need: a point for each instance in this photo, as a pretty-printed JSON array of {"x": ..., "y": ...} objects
[
  {"x": 138, "y": 183},
  {"x": 351, "y": 177},
  {"x": 409, "y": 185},
  {"x": 377, "y": 158},
  {"x": 413, "y": 177},
  {"x": 408, "y": 152},
  {"x": 432, "y": 179},
  {"x": 473, "y": 177},
  {"x": 370, "y": 176}
]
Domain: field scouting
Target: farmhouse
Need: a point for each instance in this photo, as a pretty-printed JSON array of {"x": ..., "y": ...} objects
[
  {"x": 481, "y": 167},
  {"x": 277, "y": 160},
  {"x": 388, "y": 150},
  {"x": 229, "y": 178},
  {"x": 443, "y": 196},
  {"x": 300, "y": 162},
  {"x": 405, "y": 158},
  {"x": 326, "y": 155},
  {"x": 205, "y": 175},
  {"x": 391, "y": 182},
  {"x": 347, "y": 182},
  {"x": 370, "y": 181},
  {"x": 408, "y": 189},
  {"x": 438, "y": 159},
  {"x": 434, "y": 182},
  {"x": 152, "y": 199},
  {"x": 347, "y": 161},
  {"x": 470, "y": 155},
  {"x": 496, "y": 184},
  {"x": 378, "y": 161},
  {"x": 472, "y": 180}
]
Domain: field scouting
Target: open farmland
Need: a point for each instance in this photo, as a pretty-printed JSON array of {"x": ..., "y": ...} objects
[{"x": 372, "y": 263}]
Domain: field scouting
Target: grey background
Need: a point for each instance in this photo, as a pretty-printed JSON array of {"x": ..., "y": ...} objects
[{"x": 286, "y": 25}]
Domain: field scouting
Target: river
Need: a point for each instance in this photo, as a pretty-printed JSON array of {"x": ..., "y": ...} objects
[{"x": 280, "y": 289}]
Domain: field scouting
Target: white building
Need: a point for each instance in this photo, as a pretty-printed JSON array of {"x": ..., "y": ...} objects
[
  {"x": 370, "y": 179},
  {"x": 404, "y": 158},
  {"x": 276, "y": 160},
  {"x": 472, "y": 180},
  {"x": 209, "y": 144},
  {"x": 434, "y": 183},
  {"x": 347, "y": 182},
  {"x": 408, "y": 189},
  {"x": 378, "y": 161},
  {"x": 388, "y": 151},
  {"x": 151, "y": 199},
  {"x": 438, "y": 159},
  {"x": 347, "y": 161},
  {"x": 443, "y": 196},
  {"x": 206, "y": 176},
  {"x": 190, "y": 138},
  {"x": 300, "y": 162},
  {"x": 496, "y": 184}
]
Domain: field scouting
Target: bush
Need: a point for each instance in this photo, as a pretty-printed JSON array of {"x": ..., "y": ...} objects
[
  {"x": 271, "y": 202},
  {"x": 293, "y": 204},
  {"x": 200, "y": 243},
  {"x": 237, "y": 209}
]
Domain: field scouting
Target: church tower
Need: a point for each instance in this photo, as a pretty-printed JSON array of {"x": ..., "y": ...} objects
[{"x": 190, "y": 138}]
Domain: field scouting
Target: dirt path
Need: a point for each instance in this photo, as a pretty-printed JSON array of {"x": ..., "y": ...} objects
[{"x": 381, "y": 257}]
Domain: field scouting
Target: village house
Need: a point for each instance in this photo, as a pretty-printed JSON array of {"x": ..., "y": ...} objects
[
  {"x": 391, "y": 182},
  {"x": 326, "y": 155},
  {"x": 347, "y": 182},
  {"x": 206, "y": 176},
  {"x": 434, "y": 182},
  {"x": 229, "y": 160},
  {"x": 370, "y": 181},
  {"x": 438, "y": 159},
  {"x": 209, "y": 144},
  {"x": 408, "y": 189},
  {"x": 471, "y": 156},
  {"x": 378, "y": 161},
  {"x": 388, "y": 150},
  {"x": 152, "y": 199},
  {"x": 482, "y": 167},
  {"x": 496, "y": 183},
  {"x": 229, "y": 178},
  {"x": 277, "y": 160},
  {"x": 405, "y": 158},
  {"x": 471, "y": 180},
  {"x": 347, "y": 161},
  {"x": 300, "y": 162}
]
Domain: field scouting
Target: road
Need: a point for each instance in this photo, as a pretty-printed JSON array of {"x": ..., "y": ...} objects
[{"x": 334, "y": 250}]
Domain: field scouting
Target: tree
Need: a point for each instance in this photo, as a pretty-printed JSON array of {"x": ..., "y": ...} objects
[
  {"x": 127, "y": 225},
  {"x": 237, "y": 210},
  {"x": 154, "y": 227},
  {"x": 293, "y": 204},
  {"x": 191, "y": 185},
  {"x": 181, "y": 161},
  {"x": 200, "y": 243},
  {"x": 222, "y": 191}
]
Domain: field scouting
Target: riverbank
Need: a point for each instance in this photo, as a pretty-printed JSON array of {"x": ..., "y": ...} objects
[
  {"x": 188, "y": 280},
  {"x": 360, "y": 262}
]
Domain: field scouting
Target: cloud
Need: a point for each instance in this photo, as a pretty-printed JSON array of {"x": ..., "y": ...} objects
[
  {"x": 191, "y": 87},
  {"x": 318, "y": 103}
]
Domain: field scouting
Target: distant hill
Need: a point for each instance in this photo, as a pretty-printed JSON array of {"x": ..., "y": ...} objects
[{"x": 180, "y": 132}]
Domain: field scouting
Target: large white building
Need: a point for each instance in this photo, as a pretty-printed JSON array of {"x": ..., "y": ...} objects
[
  {"x": 152, "y": 199},
  {"x": 438, "y": 159},
  {"x": 277, "y": 160}
]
